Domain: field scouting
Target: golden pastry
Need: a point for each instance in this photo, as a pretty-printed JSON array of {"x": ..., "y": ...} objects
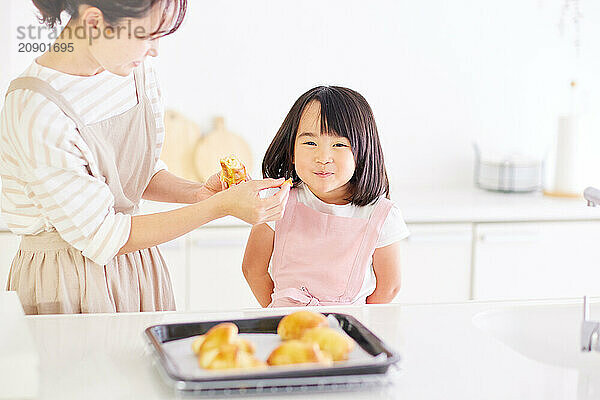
[
  {"x": 231, "y": 356},
  {"x": 222, "y": 348},
  {"x": 330, "y": 341},
  {"x": 233, "y": 171},
  {"x": 292, "y": 326},
  {"x": 197, "y": 343},
  {"x": 219, "y": 335},
  {"x": 298, "y": 352},
  {"x": 246, "y": 346},
  {"x": 216, "y": 337}
]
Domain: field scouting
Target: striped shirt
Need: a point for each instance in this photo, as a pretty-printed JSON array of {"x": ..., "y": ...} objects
[{"x": 45, "y": 164}]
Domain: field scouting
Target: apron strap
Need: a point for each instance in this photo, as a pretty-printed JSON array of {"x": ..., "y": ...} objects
[
  {"x": 42, "y": 87},
  {"x": 380, "y": 213},
  {"x": 139, "y": 76},
  {"x": 367, "y": 247},
  {"x": 283, "y": 225},
  {"x": 302, "y": 296}
]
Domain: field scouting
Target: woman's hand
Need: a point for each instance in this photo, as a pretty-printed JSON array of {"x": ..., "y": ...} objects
[
  {"x": 213, "y": 185},
  {"x": 243, "y": 201}
]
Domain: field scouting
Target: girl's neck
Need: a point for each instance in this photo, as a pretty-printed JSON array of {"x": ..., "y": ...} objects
[
  {"x": 79, "y": 62},
  {"x": 337, "y": 197}
]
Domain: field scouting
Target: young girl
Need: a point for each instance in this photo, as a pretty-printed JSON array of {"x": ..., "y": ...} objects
[{"x": 338, "y": 240}]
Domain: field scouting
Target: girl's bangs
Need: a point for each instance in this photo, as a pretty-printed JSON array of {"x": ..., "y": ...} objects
[{"x": 333, "y": 121}]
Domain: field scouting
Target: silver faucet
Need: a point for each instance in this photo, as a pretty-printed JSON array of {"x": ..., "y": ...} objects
[
  {"x": 592, "y": 195},
  {"x": 590, "y": 330}
]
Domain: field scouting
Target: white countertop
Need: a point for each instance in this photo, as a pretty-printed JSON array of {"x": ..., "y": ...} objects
[
  {"x": 476, "y": 205},
  {"x": 444, "y": 356},
  {"x": 453, "y": 205}
]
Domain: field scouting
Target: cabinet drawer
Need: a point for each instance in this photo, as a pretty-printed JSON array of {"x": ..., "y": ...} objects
[
  {"x": 435, "y": 263},
  {"x": 537, "y": 260},
  {"x": 216, "y": 278},
  {"x": 176, "y": 255}
]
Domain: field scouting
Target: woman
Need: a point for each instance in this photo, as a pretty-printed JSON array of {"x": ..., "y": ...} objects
[{"x": 81, "y": 133}]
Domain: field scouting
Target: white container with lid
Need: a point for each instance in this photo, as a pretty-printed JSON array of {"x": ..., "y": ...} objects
[{"x": 508, "y": 173}]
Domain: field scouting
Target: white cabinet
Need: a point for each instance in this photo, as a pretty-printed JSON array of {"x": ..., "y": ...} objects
[
  {"x": 9, "y": 243},
  {"x": 537, "y": 260},
  {"x": 176, "y": 255},
  {"x": 216, "y": 278},
  {"x": 435, "y": 263}
]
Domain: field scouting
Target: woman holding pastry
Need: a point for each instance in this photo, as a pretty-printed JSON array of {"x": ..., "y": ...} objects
[{"x": 81, "y": 131}]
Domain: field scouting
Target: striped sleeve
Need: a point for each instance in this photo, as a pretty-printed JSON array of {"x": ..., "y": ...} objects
[
  {"x": 158, "y": 108},
  {"x": 80, "y": 206}
]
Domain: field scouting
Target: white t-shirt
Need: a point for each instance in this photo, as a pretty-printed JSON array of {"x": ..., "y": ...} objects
[{"x": 393, "y": 229}]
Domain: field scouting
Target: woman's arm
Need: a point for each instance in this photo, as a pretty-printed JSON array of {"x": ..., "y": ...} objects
[
  {"x": 169, "y": 188},
  {"x": 256, "y": 262},
  {"x": 241, "y": 201},
  {"x": 386, "y": 264}
]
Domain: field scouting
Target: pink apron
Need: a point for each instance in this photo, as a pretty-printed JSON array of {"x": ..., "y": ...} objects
[{"x": 322, "y": 259}]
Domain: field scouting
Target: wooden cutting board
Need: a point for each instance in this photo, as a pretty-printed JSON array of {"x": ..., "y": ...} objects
[
  {"x": 219, "y": 143},
  {"x": 181, "y": 137}
]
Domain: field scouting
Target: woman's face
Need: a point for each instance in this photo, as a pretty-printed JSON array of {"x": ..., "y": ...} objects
[
  {"x": 324, "y": 162},
  {"x": 125, "y": 45}
]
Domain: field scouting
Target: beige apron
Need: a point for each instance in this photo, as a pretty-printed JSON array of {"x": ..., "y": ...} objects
[{"x": 51, "y": 276}]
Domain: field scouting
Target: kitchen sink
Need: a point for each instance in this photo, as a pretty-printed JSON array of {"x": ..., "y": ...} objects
[{"x": 548, "y": 333}]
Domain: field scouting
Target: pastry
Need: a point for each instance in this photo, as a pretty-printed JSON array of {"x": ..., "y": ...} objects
[
  {"x": 330, "y": 341},
  {"x": 232, "y": 171},
  {"x": 219, "y": 335},
  {"x": 245, "y": 345},
  {"x": 197, "y": 343},
  {"x": 298, "y": 352},
  {"x": 231, "y": 356},
  {"x": 292, "y": 326},
  {"x": 222, "y": 348},
  {"x": 216, "y": 337}
]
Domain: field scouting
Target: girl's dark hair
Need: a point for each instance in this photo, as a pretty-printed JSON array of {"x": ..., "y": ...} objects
[
  {"x": 345, "y": 113},
  {"x": 113, "y": 11}
]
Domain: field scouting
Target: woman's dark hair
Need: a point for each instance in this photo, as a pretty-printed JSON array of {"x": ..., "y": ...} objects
[
  {"x": 113, "y": 11},
  {"x": 344, "y": 113}
]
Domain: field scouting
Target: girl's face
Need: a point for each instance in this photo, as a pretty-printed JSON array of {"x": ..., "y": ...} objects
[
  {"x": 122, "y": 47},
  {"x": 324, "y": 162}
]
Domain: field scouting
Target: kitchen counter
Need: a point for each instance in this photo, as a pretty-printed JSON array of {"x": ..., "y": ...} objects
[
  {"x": 453, "y": 205},
  {"x": 476, "y": 205},
  {"x": 444, "y": 356}
]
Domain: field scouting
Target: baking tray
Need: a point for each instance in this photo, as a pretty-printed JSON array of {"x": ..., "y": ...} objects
[{"x": 341, "y": 376}]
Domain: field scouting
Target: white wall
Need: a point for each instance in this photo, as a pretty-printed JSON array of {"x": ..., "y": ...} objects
[
  {"x": 5, "y": 51},
  {"x": 438, "y": 74}
]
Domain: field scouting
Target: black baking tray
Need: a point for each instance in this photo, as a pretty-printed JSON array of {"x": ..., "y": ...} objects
[{"x": 263, "y": 381}]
